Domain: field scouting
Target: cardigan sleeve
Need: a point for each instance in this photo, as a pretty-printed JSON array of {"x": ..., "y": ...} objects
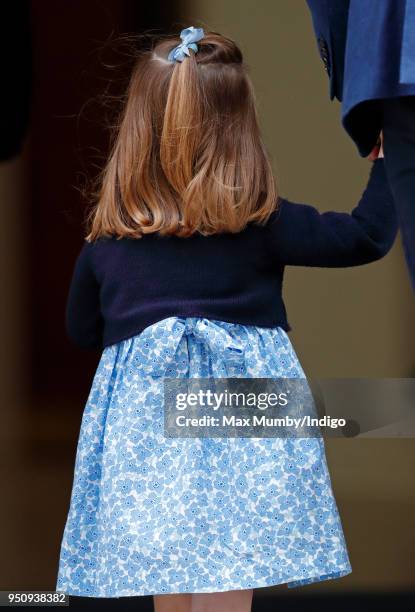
[
  {"x": 302, "y": 236},
  {"x": 83, "y": 319}
]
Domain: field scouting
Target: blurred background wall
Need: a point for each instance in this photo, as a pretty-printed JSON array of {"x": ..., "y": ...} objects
[{"x": 346, "y": 323}]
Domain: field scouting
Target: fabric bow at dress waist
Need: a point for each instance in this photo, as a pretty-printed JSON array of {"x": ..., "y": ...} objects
[{"x": 176, "y": 341}]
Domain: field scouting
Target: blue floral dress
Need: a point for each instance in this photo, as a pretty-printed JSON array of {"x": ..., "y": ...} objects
[{"x": 154, "y": 515}]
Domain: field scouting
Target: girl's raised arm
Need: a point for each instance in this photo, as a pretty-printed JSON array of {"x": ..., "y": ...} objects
[
  {"x": 303, "y": 236},
  {"x": 84, "y": 322}
]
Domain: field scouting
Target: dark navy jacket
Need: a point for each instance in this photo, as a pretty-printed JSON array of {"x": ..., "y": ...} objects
[{"x": 368, "y": 48}]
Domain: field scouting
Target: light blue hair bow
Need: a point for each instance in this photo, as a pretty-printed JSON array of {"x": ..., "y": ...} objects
[{"x": 190, "y": 36}]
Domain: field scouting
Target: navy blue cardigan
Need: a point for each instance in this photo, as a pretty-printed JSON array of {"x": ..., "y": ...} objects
[{"x": 121, "y": 286}]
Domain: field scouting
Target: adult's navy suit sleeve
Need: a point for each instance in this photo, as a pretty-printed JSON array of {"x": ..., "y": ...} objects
[
  {"x": 83, "y": 319},
  {"x": 303, "y": 236}
]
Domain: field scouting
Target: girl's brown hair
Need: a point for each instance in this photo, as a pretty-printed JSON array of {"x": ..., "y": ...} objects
[{"x": 188, "y": 155}]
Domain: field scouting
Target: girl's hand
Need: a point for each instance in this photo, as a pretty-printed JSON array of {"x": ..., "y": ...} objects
[{"x": 377, "y": 150}]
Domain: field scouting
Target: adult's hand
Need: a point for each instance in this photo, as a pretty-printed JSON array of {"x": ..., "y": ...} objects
[{"x": 377, "y": 150}]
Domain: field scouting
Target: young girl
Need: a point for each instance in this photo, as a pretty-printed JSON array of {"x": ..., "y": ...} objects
[{"x": 181, "y": 276}]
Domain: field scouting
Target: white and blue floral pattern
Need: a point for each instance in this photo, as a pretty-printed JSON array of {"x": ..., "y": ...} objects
[{"x": 152, "y": 515}]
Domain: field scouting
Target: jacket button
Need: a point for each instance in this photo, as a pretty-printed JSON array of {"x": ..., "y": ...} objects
[{"x": 324, "y": 54}]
